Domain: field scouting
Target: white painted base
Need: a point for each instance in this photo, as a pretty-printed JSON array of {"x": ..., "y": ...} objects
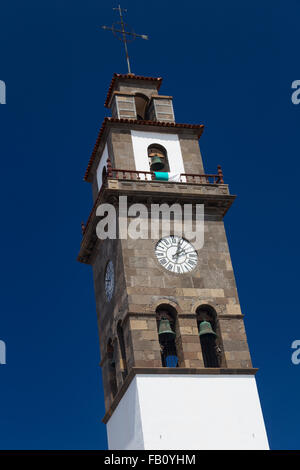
[{"x": 188, "y": 412}]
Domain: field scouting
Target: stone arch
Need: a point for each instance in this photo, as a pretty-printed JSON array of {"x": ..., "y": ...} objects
[
  {"x": 211, "y": 344},
  {"x": 169, "y": 302},
  {"x": 141, "y": 105},
  {"x": 160, "y": 151},
  {"x": 170, "y": 341},
  {"x": 205, "y": 312},
  {"x": 112, "y": 376},
  {"x": 122, "y": 349},
  {"x": 104, "y": 174},
  {"x": 205, "y": 302}
]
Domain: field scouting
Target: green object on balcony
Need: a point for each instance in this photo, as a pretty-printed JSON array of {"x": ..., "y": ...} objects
[{"x": 161, "y": 175}]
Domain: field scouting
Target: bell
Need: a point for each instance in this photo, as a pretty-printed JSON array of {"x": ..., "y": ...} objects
[
  {"x": 206, "y": 329},
  {"x": 156, "y": 163},
  {"x": 164, "y": 330}
]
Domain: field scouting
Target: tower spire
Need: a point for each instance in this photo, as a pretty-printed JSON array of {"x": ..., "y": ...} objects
[{"x": 119, "y": 30}]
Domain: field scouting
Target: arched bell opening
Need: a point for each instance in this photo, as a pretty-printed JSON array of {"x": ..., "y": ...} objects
[
  {"x": 122, "y": 347},
  {"x": 166, "y": 328},
  {"x": 141, "y": 105},
  {"x": 104, "y": 174},
  {"x": 209, "y": 336},
  {"x": 112, "y": 378},
  {"x": 158, "y": 158}
]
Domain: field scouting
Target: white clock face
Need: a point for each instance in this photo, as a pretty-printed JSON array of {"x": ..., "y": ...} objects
[
  {"x": 176, "y": 254},
  {"x": 109, "y": 280}
]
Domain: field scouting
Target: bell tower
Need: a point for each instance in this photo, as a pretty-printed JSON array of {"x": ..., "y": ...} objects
[{"x": 177, "y": 372}]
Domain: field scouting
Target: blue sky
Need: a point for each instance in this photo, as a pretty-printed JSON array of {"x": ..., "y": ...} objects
[{"x": 228, "y": 65}]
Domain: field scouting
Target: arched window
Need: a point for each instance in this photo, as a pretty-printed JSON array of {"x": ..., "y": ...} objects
[
  {"x": 207, "y": 323},
  {"x": 104, "y": 173},
  {"x": 112, "y": 379},
  {"x": 158, "y": 158},
  {"x": 141, "y": 103},
  {"x": 166, "y": 327},
  {"x": 120, "y": 334}
]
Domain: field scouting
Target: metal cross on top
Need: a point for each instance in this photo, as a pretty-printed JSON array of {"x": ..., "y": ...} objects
[{"x": 120, "y": 32}]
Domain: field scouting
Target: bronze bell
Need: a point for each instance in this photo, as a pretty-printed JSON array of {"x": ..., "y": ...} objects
[
  {"x": 206, "y": 329},
  {"x": 156, "y": 163},
  {"x": 165, "y": 331}
]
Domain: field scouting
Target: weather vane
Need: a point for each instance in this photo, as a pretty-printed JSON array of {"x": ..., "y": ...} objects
[{"x": 119, "y": 31}]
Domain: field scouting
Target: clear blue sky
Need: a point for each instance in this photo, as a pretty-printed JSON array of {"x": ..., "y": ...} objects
[{"x": 228, "y": 65}]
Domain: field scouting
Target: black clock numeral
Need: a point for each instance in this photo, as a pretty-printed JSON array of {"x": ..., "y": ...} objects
[
  {"x": 170, "y": 267},
  {"x": 191, "y": 262}
]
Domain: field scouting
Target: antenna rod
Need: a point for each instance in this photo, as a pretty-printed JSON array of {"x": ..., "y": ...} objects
[
  {"x": 124, "y": 34},
  {"x": 124, "y": 38}
]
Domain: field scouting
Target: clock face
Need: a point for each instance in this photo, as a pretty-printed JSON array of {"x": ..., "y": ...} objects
[
  {"x": 176, "y": 254},
  {"x": 109, "y": 280}
]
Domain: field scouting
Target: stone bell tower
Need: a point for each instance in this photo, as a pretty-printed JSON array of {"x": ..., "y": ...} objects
[{"x": 177, "y": 372}]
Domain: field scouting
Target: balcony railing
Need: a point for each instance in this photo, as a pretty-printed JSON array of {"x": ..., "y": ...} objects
[{"x": 134, "y": 175}]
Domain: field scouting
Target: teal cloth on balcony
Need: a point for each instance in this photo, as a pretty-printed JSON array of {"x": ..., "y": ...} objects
[
  {"x": 164, "y": 176},
  {"x": 161, "y": 175}
]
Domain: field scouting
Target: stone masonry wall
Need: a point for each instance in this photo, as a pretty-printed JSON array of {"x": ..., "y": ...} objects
[{"x": 211, "y": 283}]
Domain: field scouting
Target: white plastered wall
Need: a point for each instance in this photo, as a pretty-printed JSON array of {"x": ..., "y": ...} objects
[
  {"x": 101, "y": 165},
  {"x": 188, "y": 412}
]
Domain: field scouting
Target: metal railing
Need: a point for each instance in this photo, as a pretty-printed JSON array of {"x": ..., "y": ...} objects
[
  {"x": 135, "y": 175},
  {"x": 147, "y": 176}
]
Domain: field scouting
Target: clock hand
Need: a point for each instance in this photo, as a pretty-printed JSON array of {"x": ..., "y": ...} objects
[
  {"x": 184, "y": 251},
  {"x": 179, "y": 248},
  {"x": 178, "y": 253}
]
